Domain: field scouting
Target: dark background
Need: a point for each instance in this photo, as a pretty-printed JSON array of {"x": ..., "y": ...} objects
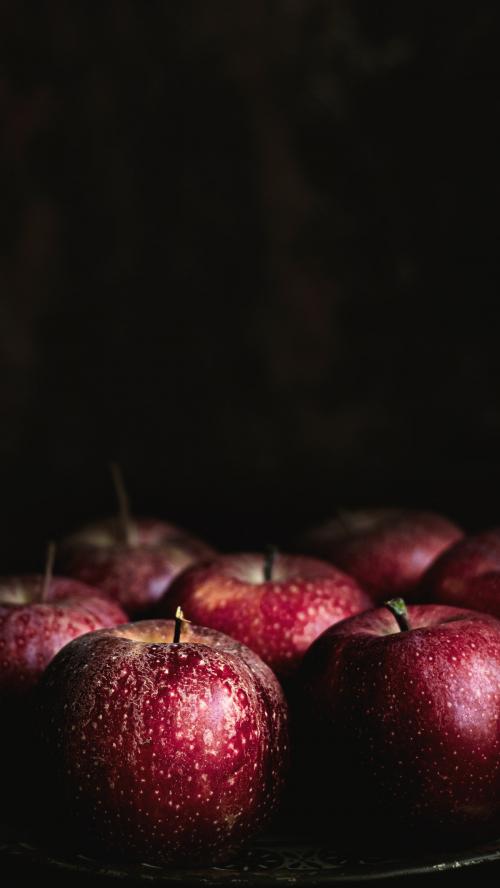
[{"x": 250, "y": 251}]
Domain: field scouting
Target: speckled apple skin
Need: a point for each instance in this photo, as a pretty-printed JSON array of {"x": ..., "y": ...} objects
[
  {"x": 135, "y": 574},
  {"x": 386, "y": 550},
  {"x": 167, "y": 752},
  {"x": 468, "y": 574},
  {"x": 32, "y": 633},
  {"x": 407, "y": 724},
  {"x": 278, "y": 619}
]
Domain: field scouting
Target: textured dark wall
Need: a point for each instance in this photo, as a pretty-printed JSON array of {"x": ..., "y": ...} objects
[{"x": 251, "y": 252}]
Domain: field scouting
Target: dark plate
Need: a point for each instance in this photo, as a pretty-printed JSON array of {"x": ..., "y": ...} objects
[{"x": 270, "y": 861}]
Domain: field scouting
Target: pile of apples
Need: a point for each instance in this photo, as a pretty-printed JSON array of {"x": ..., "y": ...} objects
[{"x": 156, "y": 679}]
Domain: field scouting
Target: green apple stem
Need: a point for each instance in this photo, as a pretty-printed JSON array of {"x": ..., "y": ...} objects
[
  {"x": 49, "y": 569},
  {"x": 269, "y": 558},
  {"x": 124, "y": 519},
  {"x": 398, "y": 609},
  {"x": 179, "y": 620}
]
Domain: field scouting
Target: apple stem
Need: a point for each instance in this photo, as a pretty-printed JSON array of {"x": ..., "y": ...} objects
[
  {"x": 179, "y": 620},
  {"x": 399, "y": 611},
  {"x": 124, "y": 519},
  {"x": 49, "y": 568},
  {"x": 269, "y": 558}
]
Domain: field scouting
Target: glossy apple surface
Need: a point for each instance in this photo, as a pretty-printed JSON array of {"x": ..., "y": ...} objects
[
  {"x": 164, "y": 752},
  {"x": 278, "y": 618},
  {"x": 405, "y": 725},
  {"x": 468, "y": 574},
  {"x": 33, "y": 630},
  {"x": 135, "y": 571},
  {"x": 385, "y": 550}
]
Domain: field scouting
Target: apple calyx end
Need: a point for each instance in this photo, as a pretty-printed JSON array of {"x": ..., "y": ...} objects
[{"x": 398, "y": 609}]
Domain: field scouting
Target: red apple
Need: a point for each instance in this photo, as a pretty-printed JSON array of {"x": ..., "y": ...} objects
[
  {"x": 165, "y": 752},
  {"x": 135, "y": 566},
  {"x": 37, "y": 618},
  {"x": 385, "y": 550},
  {"x": 468, "y": 574},
  {"x": 275, "y": 607},
  {"x": 406, "y": 724}
]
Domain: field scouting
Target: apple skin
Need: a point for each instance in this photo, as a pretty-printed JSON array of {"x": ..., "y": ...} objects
[
  {"x": 135, "y": 573},
  {"x": 33, "y": 631},
  {"x": 164, "y": 753},
  {"x": 468, "y": 574},
  {"x": 386, "y": 550},
  {"x": 405, "y": 726},
  {"x": 277, "y": 619}
]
